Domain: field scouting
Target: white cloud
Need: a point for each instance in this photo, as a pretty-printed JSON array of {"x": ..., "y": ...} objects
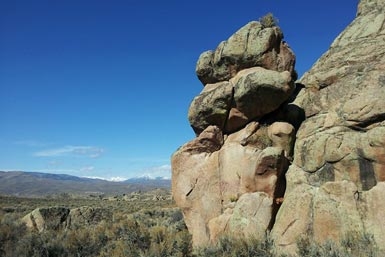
[
  {"x": 166, "y": 167},
  {"x": 54, "y": 164},
  {"x": 56, "y": 171},
  {"x": 87, "y": 169},
  {"x": 112, "y": 179},
  {"x": 30, "y": 143},
  {"x": 157, "y": 171},
  {"x": 70, "y": 150}
]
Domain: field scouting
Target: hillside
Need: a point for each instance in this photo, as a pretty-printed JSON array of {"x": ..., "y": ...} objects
[{"x": 34, "y": 184}]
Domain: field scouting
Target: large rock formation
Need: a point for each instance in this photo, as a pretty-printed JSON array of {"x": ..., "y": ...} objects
[
  {"x": 298, "y": 160},
  {"x": 336, "y": 183},
  {"x": 229, "y": 178}
]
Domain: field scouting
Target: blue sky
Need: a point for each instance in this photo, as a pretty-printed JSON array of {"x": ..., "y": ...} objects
[{"x": 101, "y": 88}]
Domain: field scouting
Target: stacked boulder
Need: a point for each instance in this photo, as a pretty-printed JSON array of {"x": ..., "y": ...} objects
[
  {"x": 231, "y": 177},
  {"x": 246, "y": 77}
]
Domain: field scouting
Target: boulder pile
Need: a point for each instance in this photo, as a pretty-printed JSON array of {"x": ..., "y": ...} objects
[{"x": 231, "y": 177}]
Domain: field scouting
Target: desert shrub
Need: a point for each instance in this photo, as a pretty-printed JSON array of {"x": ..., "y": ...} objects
[
  {"x": 352, "y": 244},
  {"x": 168, "y": 217},
  {"x": 11, "y": 231},
  {"x": 81, "y": 242},
  {"x": 120, "y": 249},
  {"x": 229, "y": 246},
  {"x": 307, "y": 248},
  {"x": 268, "y": 20},
  {"x": 128, "y": 237},
  {"x": 165, "y": 242},
  {"x": 133, "y": 235},
  {"x": 17, "y": 240},
  {"x": 31, "y": 244},
  {"x": 183, "y": 243},
  {"x": 261, "y": 137},
  {"x": 176, "y": 216},
  {"x": 233, "y": 198},
  {"x": 360, "y": 245}
]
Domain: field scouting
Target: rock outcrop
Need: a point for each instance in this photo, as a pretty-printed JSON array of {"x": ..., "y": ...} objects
[
  {"x": 227, "y": 179},
  {"x": 305, "y": 159},
  {"x": 87, "y": 216},
  {"x": 335, "y": 185},
  {"x": 54, "y": 218}
]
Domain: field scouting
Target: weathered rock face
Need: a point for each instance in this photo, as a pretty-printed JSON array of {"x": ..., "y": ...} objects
[
  {"x": 42, "y": 219},
  {"x": 251, "y": 46},
  {"x": 337, "y": 179},
  {"x": 86, "y": 216},
  {"x": 227, "y": 179},
  {"x": 250, "y": 95},
  {"x": 214, "y": 181},
  {"x": 246, "y": 77},
  {"x": 54, "y": 218},
  {"x": 317, "y": 147}
]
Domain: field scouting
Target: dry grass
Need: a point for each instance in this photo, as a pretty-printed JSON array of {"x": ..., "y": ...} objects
[
  {"x": 142, "y": 228},
  {"x": 268, "y": 20}
]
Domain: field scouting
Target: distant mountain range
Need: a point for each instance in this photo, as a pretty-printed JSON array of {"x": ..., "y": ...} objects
[{"x": 34, "y": 184}]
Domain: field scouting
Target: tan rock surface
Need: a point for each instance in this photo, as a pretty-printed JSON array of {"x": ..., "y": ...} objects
[
  {"x": 249, "y": 95},
  {"x": 216, "y": 188},
  {"x": 339, "y": 151},
  {"x": 251, "y": 46}
]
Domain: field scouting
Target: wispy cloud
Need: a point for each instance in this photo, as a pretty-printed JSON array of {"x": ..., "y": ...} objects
[
  {"x": 31, "y": 143},
  {"x": 55, "y": 171},
  {"x": 157, "y": 171},
  {"x": 87, "y": 169},
  {"x": 70, "y": 150}
]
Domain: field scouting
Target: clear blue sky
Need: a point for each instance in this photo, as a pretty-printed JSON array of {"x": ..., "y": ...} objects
[{"x": 101, "y": 88}]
